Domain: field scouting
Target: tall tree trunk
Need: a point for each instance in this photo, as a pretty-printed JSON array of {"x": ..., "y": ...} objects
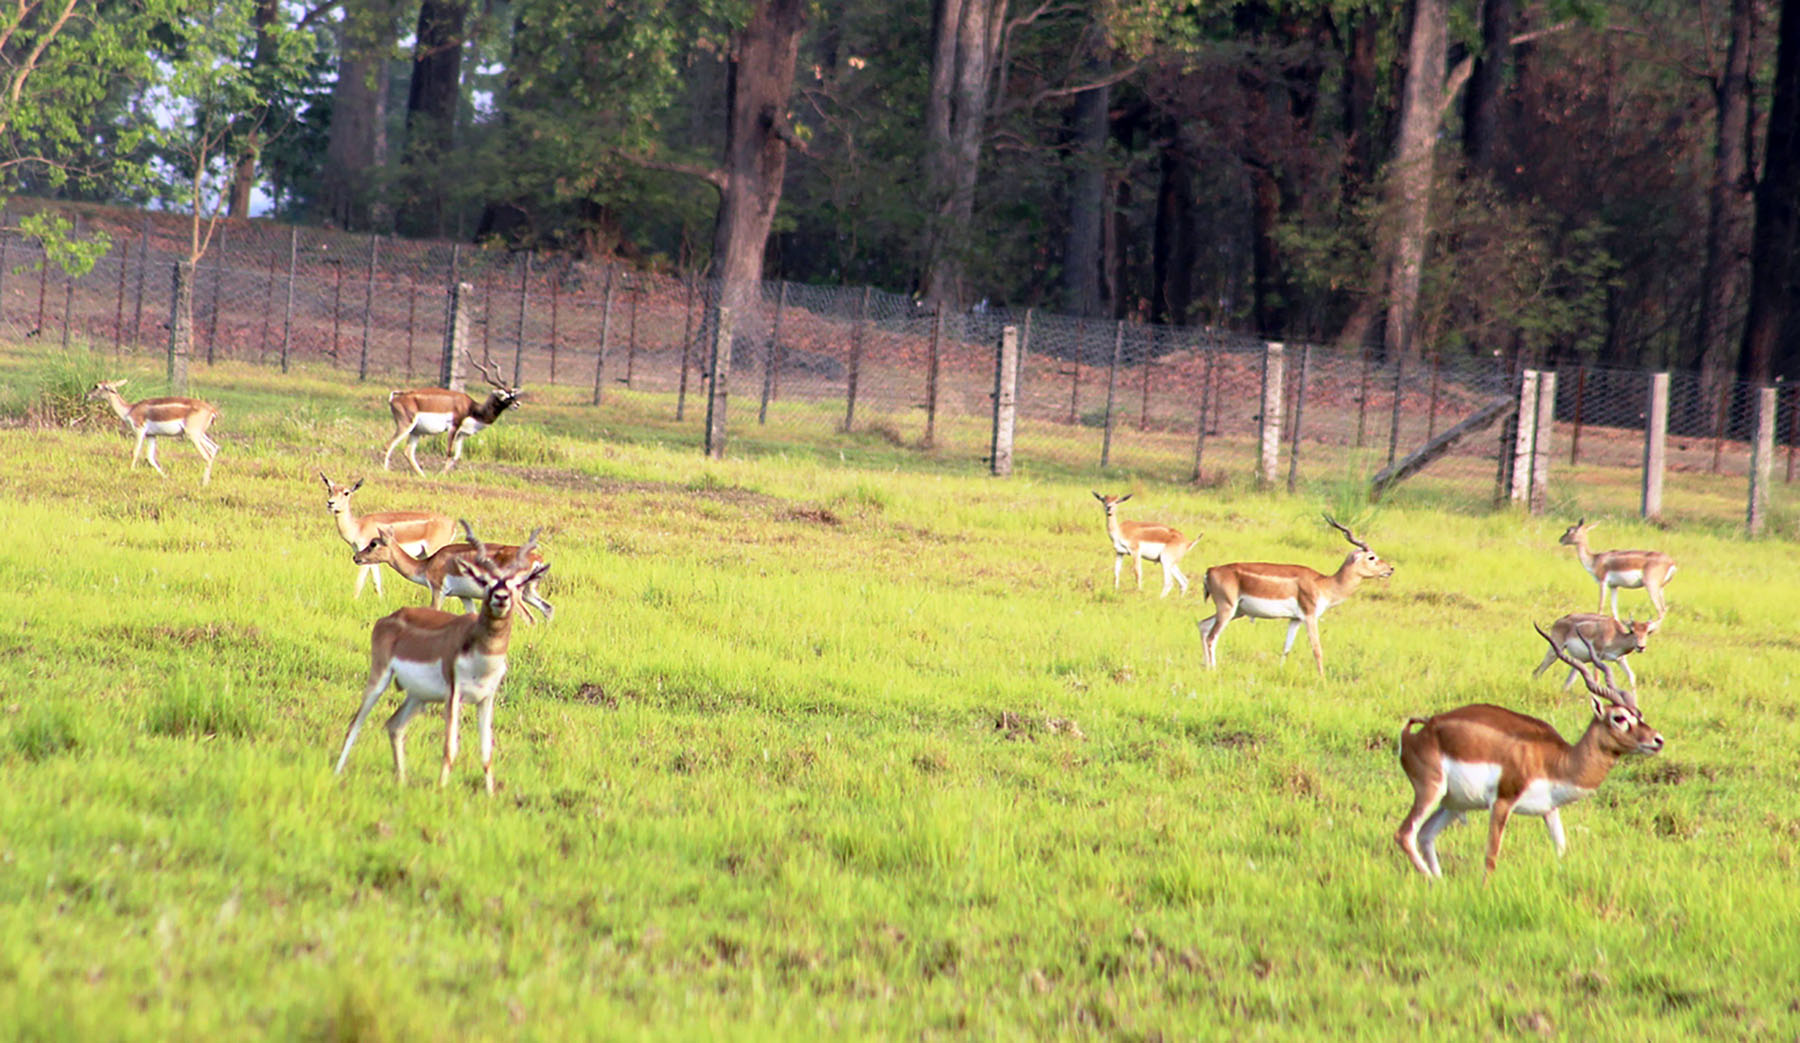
[
  {"x": 1082, "y": 250},
  {"x": 1481, "y": 106},
  {"x": 1172, "y": 255},
  {"x": 756, "y": 141},
  {"x": 1412, "y": 174},
  {"x": 1772, "y": 330},
  {"x": 243, "y": 174},
  {"x": 1728, "y": 209},
  {"x": 357, "y": 146},
  {"x": 432, "y": 101},
  {"x": 965, "y": 41}
]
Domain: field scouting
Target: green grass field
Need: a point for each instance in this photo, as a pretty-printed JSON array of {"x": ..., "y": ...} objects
[{"x": 838, "y": 740}]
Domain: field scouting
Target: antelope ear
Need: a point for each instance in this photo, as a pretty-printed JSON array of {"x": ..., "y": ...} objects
[
  {"x": 1127, "y": 496},
  {"x": 1601, "y": 706},
  {"x": 386, "y": 532},
  {"x": 535, "y": 573},
  {"x": 324, "y": 479},
  {"x": 1652, "y": 626},
  {"x": 356, "y": 485},
  {"x": 1097, "y": 496}
]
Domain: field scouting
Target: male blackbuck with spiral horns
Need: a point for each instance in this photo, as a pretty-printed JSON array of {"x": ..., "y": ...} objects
[
  {"x": 436, "y": 657},
  {"x": 1612, "y": 569},
  {"x": 445, "y": 572},
  {"x": 1485, "y": 756},
  {"x": 1141, "y": 541},
  {"x": 436, "y": 411},
  {"x": 420, "y": 532},
  {"x": 151, "y": 417},
  {"x": 1597, "y": 638},
  {"x": 1300, "y": 595}
]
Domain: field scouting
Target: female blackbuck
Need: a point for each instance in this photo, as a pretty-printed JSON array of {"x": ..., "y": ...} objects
[
  {"x": 1143, "y": 540},
  {"x": 1488, "y": 757},
  {"x": 435, "y": 411},
  {"x": 162, "y": 416},
  {"x": 446, "y": 571},
  {"x": 1649, "y": 569},
  {"x": 1597, "y": 638},
  {"x": 1259, "y": 590},
  {"x": 420, "y": 532},
  {"x": 436, "y": 657}
]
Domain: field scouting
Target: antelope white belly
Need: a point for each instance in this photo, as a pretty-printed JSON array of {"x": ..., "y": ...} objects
[
  {"x": 1544, "y": 796},
  {"x": 1626, "y": 578},
  {"x": 470, "y": 426},
  {"x": 1578, "y": 649},
  {"x": 162, "y": 427},
  {"x": 481, "y": 676},
  {"x": 1470, "y": 785},
  {"x": 459, "y": 586},
  {"x": 1268, "y": 608},
  {"x": 1150, "y": 551},
  {"x": 432, "y": 423}
]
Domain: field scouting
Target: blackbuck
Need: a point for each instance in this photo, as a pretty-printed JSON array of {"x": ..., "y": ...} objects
[
  {"x": 1259, "y": 590},
  {"x": 436, "y": 411},
  {"x": 446, "y": 571},
  {"x": 1141, "y": 541},
  {"x": 1490, "y": 757},
  {"x": 437, "y": 657},
  {"x": 420, "y": 532},
  {"x": 154, "y": 417},
  {"x": 1612, "y": 569},
  {"x": 1597, "y": 638}
]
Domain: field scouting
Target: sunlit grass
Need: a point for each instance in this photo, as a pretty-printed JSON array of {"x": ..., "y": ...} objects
[{"x": 838, "y": 738}]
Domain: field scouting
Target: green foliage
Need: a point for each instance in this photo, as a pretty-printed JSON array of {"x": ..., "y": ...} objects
[
  {"x": 46, "y": 731},
  {"x": 52, "y": 388}
]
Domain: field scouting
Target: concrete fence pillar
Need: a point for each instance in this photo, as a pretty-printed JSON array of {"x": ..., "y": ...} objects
[
  {"x": 1273, "y": 387},
  {"x": 1656, "y": 446}
]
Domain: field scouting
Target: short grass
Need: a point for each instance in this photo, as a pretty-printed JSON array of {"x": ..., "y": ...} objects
[{"x": 837, "y": 740}]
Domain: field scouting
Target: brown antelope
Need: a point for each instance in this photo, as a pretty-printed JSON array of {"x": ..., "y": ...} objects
[
  {"x": 446, "y": 571},
  {"x": 436, "y": 657},
  {"x": 1142, "y": 541},
  {"x": 1597, "y": 638},
  {"x": 435, "y": 411},
  {"x": 1649, "y": 569},
  {"x": 162, "y": 416},
  {"x": 1485, "y": 756},
  {"x": 420, "y": 532},
  {"x": 1259, "y": 590}
]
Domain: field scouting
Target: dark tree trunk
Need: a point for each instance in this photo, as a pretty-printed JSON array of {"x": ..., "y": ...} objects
[
  {"x": 965, "y": 40},
  {"x": 243, "y": 175},
  {"x": 357, "y": 147},
  {"x": 1172, "y": 255},
  {"x": 756, "y": 145},
  {"x": 1481, "y": 106},
  {"x": 1083, "y": 262},
  {"x": 432, "y": 100},
  {"x": 1728, "y": 209},
  {"x": 1772, "y": 331},
  {"x": 1413, "y": 171}
]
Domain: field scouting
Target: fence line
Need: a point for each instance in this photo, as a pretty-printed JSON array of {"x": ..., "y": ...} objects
[{"x": 855, "y": 363}]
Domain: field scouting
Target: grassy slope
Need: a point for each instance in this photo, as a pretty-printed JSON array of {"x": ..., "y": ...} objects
[{"x": 752, "y": 779}]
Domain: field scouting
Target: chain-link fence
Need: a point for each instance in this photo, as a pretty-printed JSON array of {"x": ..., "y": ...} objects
[{"x": 856, "y": 366}]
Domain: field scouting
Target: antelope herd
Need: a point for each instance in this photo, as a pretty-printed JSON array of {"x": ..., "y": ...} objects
[{"x": 1471, "y": 758}]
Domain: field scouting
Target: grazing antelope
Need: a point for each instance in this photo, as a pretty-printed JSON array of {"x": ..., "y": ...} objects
[
  {"x": 1144, "y": 540},
  {"x": 434, "y": 411},
  {"x": 162, "y": 416},
  {"x": 1597, "y": 638},
  {"x": 420, "y": 532},
  {"x": 446, "y": 571},
  {"x": 1485, "y": 756},
  {"x": 436, "y": 657},
  {"x": 1259, "y": 590},
  {"x": 1649, "y": 569}
]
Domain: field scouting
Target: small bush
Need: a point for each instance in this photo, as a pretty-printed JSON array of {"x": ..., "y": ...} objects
[
  {"x": 53, "y": 391},
  {"x": 45, "y": 732}
]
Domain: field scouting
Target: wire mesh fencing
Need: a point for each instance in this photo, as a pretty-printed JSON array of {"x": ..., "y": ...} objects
[{"x": 854, "y": 367}]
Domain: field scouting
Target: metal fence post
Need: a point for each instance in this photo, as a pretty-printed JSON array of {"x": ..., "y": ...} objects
[
  {"x": 262, "y": 340},
  {"x": 1112, "y": 382},
  {"x": 362, "y": 364},
  {"x": 1299, "y": 411},
  {"x": 212, "y": 311},
  {"x": 519, "y": 338},
  {"x": 1762, "y": 462},
  {"x": 1399, "y": 397},
  {"x": 606, "y": 310},
  {"x": 931, "y": 378},
  {"x": 771, "y": 356},
  {"x": 1656, "y": 445},
  {"x": 687, "y": 338},
  {"x": 459, "y": 303},
  {"x": 1580, "y": 397},
  {"x": 857, "y": 333},
  {"x": 119, "y": 305},
  {"x": 287, "y": 316},
  {"x": 716, "y": 396},
  {"x": 1541, "y": 438},
  {"x": 1006, "y": 383},
  {"x": 1362, "y": 397},
  {"x": 1274, "y": 386},
  {"x": 181, "y": 324},
  {"x": 1206, "y": 381},
  {"x": 555, "y": 301},
  {"x": 1075, "y": 370}
]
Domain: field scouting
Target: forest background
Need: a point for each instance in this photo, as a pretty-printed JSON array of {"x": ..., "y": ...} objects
[{"x": 1614, "y": 183}]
